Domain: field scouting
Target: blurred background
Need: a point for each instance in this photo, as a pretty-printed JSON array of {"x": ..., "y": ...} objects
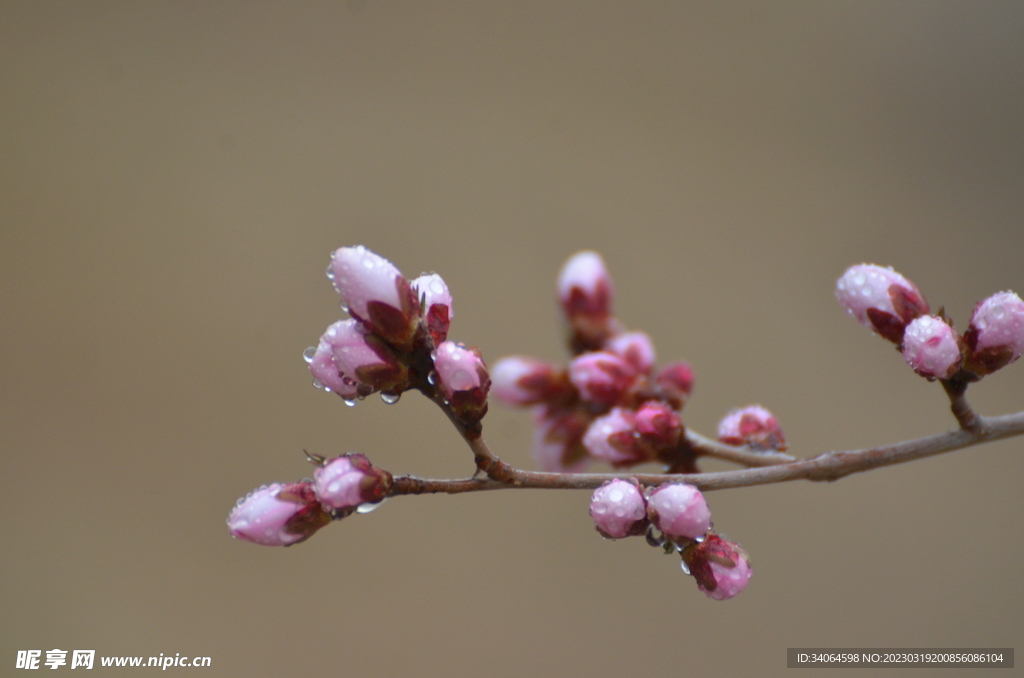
[{"x": 175, "y": 174}]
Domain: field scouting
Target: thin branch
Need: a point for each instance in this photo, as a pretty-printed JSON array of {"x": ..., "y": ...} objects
[
  {"x": 825, "y": 467},
  {"x": 744, "y": 456}
]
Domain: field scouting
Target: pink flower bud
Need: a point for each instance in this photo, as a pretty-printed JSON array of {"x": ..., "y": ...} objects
[
  {"x": 463, "y": 380},
  {"x": 679, "y": 510},
  {"x": 376, "y": 293},
  {"x": 613, "y": 439},
  {"x": 675, "y": 382},
  {"x": 721, "y": 568},
  {"x": 931, "y": 347},
  {"x": 659, "y": 427},
  {"x": 753, "y": 426},
  {"x": 364, "y": 357},
  {"x": 601, "y": 377},
  {"x": 585, "y": 292},
  {"x": 557, "y": 440},
  {"x": 278, "y": 515},
  {"x": 437, "y": 304},
  {"x": 351, "y": 480},
  {"x": 618, "y": 509},
  {"x": 584, "y": 286},
  {"x": 880, "y": 299},
  {"x": 636, "y": 348},
  {"x": 995, "y": 336},
  {"x": 518, "y": 380},
  {"x": 328, "y": 375}
]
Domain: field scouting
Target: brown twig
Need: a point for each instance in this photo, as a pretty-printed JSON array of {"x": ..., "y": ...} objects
[{"x": 765, "y": 468}]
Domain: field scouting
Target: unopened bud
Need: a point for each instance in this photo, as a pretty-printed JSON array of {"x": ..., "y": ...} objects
[
  {"x": 278, "y": 515},
  {"x": 612, "y": 438},
  {"x": 721, "y": 567},
  {"x": 880, "y": 299},
  {"x": 585, "y": 292},
  {"x": 679, "y": 511},
  {"x": 618, "y": 509},
  {"x": 932, "y": 348},
  {"x": 636, "y": 348},
  {"x": 375, "y": 293},
  {"x": 518, "y": 380},
  {"x": 464, "y": 380},
  {"x": 753, "y": 426},
  {"x": 995, "y": 337},
  {"x": 437, "y": 305},
  {"x": 348, "y": 481},
  {"x": 365, "y": 357},
  {"x": 675, "y": 381},
  {"x": 601, "y": 377}
]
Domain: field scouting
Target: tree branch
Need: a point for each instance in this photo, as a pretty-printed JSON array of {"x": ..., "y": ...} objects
[{"x": 825, "y": 467}]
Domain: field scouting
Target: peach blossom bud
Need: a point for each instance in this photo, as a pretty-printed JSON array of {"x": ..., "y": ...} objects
[
  {"x": 995, "y": 336},
  {"x": 636, "y": 348},
  {"x": 351, "y": 480},
  {"x": 675, "y": 381},
  {"x": 721, "y": 567},
  {"x": 375, "y": 293},
  {"x": 557, "y": 439},
  {"x": 931, "y": 347},
  {"x": 437, "y": 304},
  {"x": 584, "y": 286},
  {"x": 880, "y": 299},
  {"x": 618, "y": 509},
  {"x": 658, "y": 426},
  {"x": 518, "y": 380},
  {"x": 585, "y": 292},
  {"x": 601, "y": 377},
  {"x": 679, "y": 511},
  {"x": 463, "y": 380},
  {"x": 278, "y": 515},
  {"x": 364, "y": 356},
  {"x": 753, "y": 426},
  {"x": 612, "y": 438},
  {"x": 328, "y": 375}
]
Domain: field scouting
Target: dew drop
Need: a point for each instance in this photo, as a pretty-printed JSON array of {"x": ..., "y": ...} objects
[
  {"x": 318, "y": 384},
  {"x": 390, "y": 398},
  {"x": 350, "y": 402},
  {"x": 330, "y": 271},
  {"x": 615, "y": 495},
  {"x": 308, "y": 354},
  {"x": 686, "y": 569},
  {"x": 998, "y": 311},
  {"x": 370, "y": 508},
  {"x": 432, "y": 378},
  {"x": 600, "y": 509}
]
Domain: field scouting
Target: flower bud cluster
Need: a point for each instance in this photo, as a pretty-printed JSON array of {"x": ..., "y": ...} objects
[
  {"x": 608, "y": 403},
  {"x": 886, "y": 302},
  {"x": 395, "y": 338},
  {"x": 285, "y": 514},
  {"x": 676, "y": 517}
]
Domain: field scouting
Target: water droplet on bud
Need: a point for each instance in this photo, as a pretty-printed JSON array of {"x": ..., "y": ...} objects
[
  {"x": 370, "y": 508},
  {"x": 308, "y": 354},
  {"x": 318, "y": 384},
  {"x": 686, "y": 569},
  {"x": 432, "y": 378},
  {"x": 390, "y": 398},
  {"x": 349, "y": 402}
]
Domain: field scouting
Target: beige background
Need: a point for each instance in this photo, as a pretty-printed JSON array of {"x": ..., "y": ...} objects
[{"x": 174, "y": 176}]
